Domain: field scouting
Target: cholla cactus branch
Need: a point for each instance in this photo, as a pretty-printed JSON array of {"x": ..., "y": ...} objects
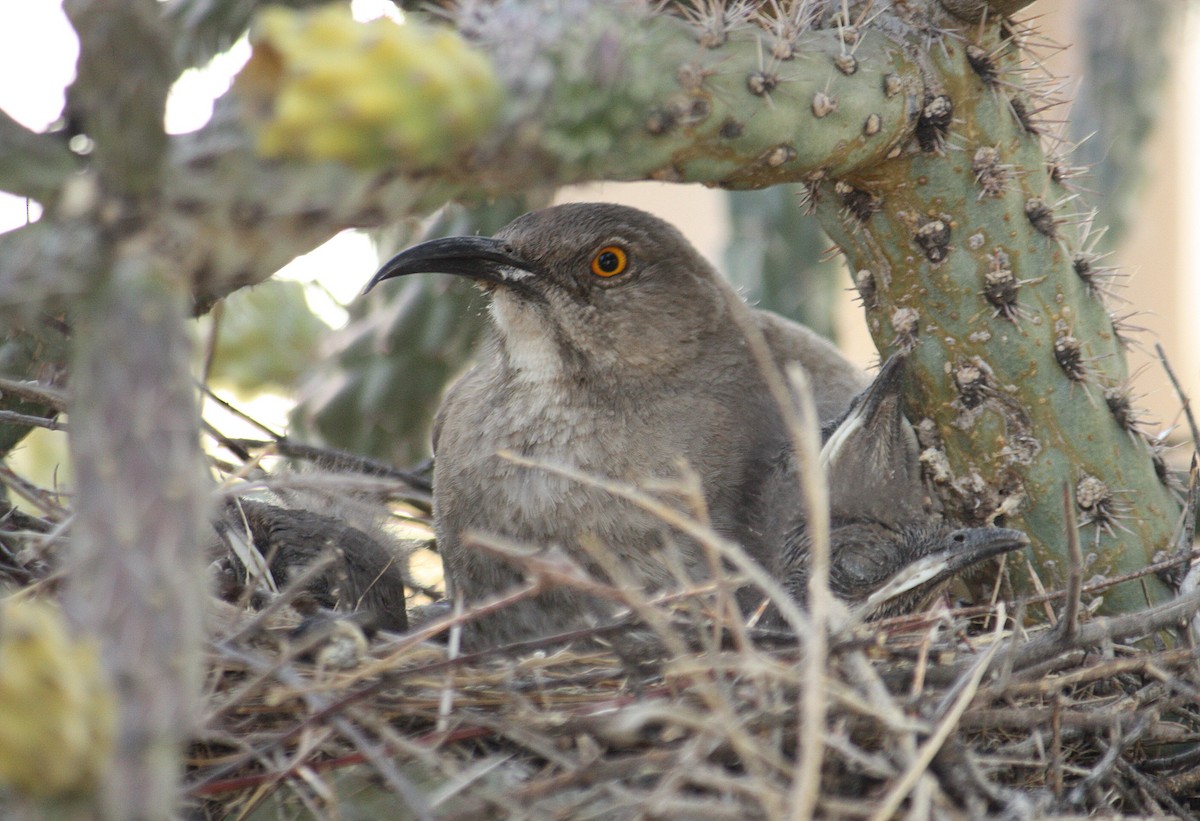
[{"x": 1012, "y": 353}]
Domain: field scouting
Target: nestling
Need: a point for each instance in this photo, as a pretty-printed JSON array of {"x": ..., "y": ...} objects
[{"x": 888, "y": 552}]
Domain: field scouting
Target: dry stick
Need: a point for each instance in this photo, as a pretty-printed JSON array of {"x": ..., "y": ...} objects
[
  {"x": 245, "y": 417},
  {"x": 47, "y": 500},
  {"x": 1107, "y": 628},
  {"x": 225, "y": 442},
  {"x": 210, "y": 341},
  {"x": 387, "y": 677},
  {"x": 385, "y": 666},
  {"x": 14, "y": 418},
  {"x": 1106, "y": 670},
  {"x": 1187, "y": 526},
  {"x": 697, "y": 531},
  {"x": 1188, "y": 529},
  {"x": 1151, "y": 788},
  {"x": 35, "y": 392},
  {"x": 341, "y": 458},
  {"x": 1069, "y": 621},
  {"x": 1183, "y": 397},
  {"x": 800, "y": 420},
  {"x": 1182, "y": 784},
  {"x": 453, "y": 651},
  {"x": 891, "y": 803},
  {"x": 374, "y": 753},
  {"x": 1112, "y": 753},
  {"x": 727, "y": 613},
  {"x": 285, "y": 597},
  {"x": 806, "y": 785},
  {"x": 751, "y": 752}
]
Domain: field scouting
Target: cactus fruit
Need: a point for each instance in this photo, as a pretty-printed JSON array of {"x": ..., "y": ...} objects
[
  {"x": 58, "y": 724},
  {"x": 328, "y": 88}
]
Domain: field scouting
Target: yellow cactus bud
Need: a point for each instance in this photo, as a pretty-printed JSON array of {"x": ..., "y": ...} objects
[
  {"x": 321, "y": 86},
  {"x": 59, "y": 713}
]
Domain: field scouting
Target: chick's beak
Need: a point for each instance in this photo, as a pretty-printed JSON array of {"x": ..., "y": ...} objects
[{"x": 962, "y": 549}]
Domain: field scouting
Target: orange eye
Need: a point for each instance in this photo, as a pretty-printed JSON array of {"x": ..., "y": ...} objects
[{"x": 609, "y": 262}]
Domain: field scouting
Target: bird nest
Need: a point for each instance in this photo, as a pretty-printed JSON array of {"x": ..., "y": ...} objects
[{"x": 684, "y": 710}]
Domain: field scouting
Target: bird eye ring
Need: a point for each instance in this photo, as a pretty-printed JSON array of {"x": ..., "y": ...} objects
[{"x": 610, "y": 261}]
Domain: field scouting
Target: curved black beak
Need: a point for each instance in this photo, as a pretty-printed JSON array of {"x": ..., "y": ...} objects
[
  {"x": 482, "y": 258},
  {"x": 959, "y": 550}
]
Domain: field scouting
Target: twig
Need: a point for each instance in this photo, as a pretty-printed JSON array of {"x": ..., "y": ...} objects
[
  {"x": 453, "y": 648},
  {"x": 1183, "y": 397},
  {"x": 285, "y": 597},
  {"x": 1151, "y": 788},
  {"x": 1069, "y": 620},
  {"x": 1107, "y": 628},
  {"x": 339, "y": 460},
  {"x": 35, "y": 392},
  {"x": 900, "y": 790},
  {"x": 1112, "y": 753},
  {"x": 917, "y": 620},
  {"x": 375, "y": 754},
  {"x": 47, "y": 500},
  {"x": 732, "y": 552},
  {"x": 14, "y": 418},
  {"x": 230, "y": 444},
  {"x": 245, "y": 417},
  {"x": 793, "y": 399},
  {"x": 1187, "y": 527}
]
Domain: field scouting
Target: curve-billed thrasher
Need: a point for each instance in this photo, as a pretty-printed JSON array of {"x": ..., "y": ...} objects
[
  {"x": 616, "y": 353},
  {"x": 887, "y": 550}
]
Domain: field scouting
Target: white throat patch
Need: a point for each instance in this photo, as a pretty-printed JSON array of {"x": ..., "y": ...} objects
[{"x": 531, "y": 351}]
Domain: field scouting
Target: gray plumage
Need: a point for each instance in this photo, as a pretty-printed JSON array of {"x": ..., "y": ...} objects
[
  {"x": 889, "y": 551},
  {"x": 624, "y": 376}
]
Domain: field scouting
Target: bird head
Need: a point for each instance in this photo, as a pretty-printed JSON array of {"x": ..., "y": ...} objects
[
  {"x": 901, "y": 571},
  {"x": 887, "y": 551},
  {"x": 871, "y": 456},
  {"x": 594, "y": 285}
]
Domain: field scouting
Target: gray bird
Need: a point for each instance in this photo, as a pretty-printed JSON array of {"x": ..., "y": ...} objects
[
  {"x": 615, "y": 353},
  {"x": 888, "y": 551}
]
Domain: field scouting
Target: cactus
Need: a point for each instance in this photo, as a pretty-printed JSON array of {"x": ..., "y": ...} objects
[
  {"x": 906, "y": 124},
  {"x": 915, "y": 142},
  {"x": 1019, "y": 382}
]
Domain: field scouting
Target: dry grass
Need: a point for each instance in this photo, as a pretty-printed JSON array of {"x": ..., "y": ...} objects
[
  {"x": 942, "y": 714},
  {"x": 683, "y": 710}
]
